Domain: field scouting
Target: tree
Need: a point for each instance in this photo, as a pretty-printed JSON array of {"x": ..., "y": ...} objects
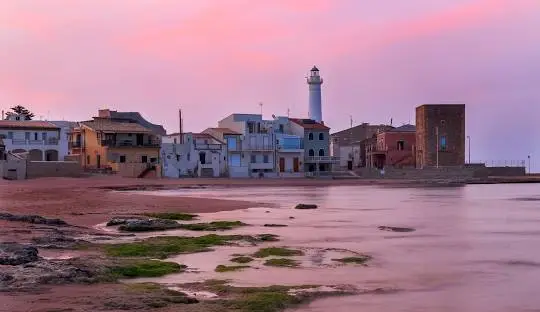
[{"x": 21, "y": 110}]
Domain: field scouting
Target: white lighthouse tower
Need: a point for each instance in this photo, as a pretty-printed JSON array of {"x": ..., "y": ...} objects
[{"x": 315, "y": 106}]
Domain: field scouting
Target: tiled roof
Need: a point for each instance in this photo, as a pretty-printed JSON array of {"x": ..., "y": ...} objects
[
  {"x": 309, "y": 124},
  {"x": 223, "y": 130},
  {"x": 27, "y": 124},
  {"x": 105, "y": 125}
]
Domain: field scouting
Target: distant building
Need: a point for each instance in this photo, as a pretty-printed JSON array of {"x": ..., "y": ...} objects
[
  {"x": 393, "y": 148},
  {"x": 2, "y": 150},
  {"x": 40, "y": 139},
  {"x": 440, "y": 135},
  {"x": 134, "y": 117},
  {"x": 124, "y": 147},
  {"x": 193, "y": 155},
  {"x": 316, "y": 144},
  {"x": 348, "y": 144}
]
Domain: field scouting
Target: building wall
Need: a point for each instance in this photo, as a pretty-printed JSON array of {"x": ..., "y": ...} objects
[
  {"x": 316, "y": 144},
  {"x": 38, "y": 149},
  {"x": 450, "y": 120},
  {"x": 388, "y": 141},
  {"x": 40, "y": 169}
]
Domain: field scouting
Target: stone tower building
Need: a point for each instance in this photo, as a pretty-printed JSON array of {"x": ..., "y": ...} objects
[{"x": 440, "y": 135}]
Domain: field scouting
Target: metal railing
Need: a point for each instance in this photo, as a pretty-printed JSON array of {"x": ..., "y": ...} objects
[
  {"x": 208, "y": 146},
  {"x": 127, "y": 144},
  {"x": 321, "y": 159},
  {"x": 50, "y": 141}
]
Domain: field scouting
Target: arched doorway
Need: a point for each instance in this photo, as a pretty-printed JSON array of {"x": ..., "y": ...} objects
[
  {"x": 51, "y": 155},
  {"x": 35, "y": 155}
]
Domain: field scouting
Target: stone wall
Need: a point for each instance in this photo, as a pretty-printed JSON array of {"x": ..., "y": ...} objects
[
  {"x": 40, "y": 169},
  {"x": 450, "y": 121}
]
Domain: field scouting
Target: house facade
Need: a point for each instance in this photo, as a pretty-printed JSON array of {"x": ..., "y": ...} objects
[
  {"x": 122, "y": 147},
  {"x": 316, "y": 140},
  {"x": 193, "y": 154},
  {"x": 235, "y": 167},
  {"x": 394, "y": 148},
  {"x": 42, "y": 140}
]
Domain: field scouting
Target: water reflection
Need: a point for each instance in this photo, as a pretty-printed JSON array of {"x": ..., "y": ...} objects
[{"x": 474, "y": 248}]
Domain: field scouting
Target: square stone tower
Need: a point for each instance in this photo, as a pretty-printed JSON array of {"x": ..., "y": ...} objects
[{"x": 440, "y": 135}]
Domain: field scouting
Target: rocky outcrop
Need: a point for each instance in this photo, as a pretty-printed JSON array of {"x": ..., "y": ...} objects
[
  {"x": 54, "y": 241},
  {"x": 149, "y": 225},
  {"x": 31, "y": 219},
  {"x": 16, "y": 254},
  {"x": 396, "y": 229},
  {"x": 122, "y": 220},
  {"x": 306, "y": 206}
]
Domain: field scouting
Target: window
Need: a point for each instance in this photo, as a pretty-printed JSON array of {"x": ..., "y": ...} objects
[
  {"x": 35, "y": 136},
  {"x": 129, "y": 134},
  {"x": 442, "y": 143},
  {"x": 88, "y": 159},
  {"x": 153, "y": 160},
  {"x": 27, "y": 136},
  {"x": 253, "y": 159},
  {"x": 310, "y": 136},
  {"x": 321, "y": 152},
  {"x": 144, "y": 159},
  {"x": 177, "y": 157},
  {"x": 311, "y": 153},
  {"x": 122, "y": 158},
  {"x": 10, "y": 135},
  {"x": 400, "y": 145},
  {"x": 44, "y": 136},
  {"x": 281, "y": 129},
  {"x": 321, "y": 136},
  {"x": 266, "y": 159},
  {"x": 231, "y": 143}
]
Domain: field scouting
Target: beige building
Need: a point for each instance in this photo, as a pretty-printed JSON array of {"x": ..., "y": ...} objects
[{"x": 122, "y": 147}]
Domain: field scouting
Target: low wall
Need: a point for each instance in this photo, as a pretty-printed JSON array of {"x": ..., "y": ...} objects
[
  {"x": 442, "y": 173},
  {"x": 130, "y": 170},
  {"x": 41, "y": 169},
  {"x": 238, "y": 172},
  {"x": 13, "y": 169},
  {"x": 506, "y": 171}
]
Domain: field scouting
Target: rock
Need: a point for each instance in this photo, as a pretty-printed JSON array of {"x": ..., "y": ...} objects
[
  {"x": 16, "y": 254},
  {"x": 4, "y": 277},
  {"x": 291, "y": 218},
  {"x": 122, "y": 220},
  {"x": 275, "y": 225},
  {"x": 149, "y": 225},
  {"x": 31, "y": 219},
  {"x": 306, "y": 206},
  {"x": 396, "y": 229},
  {"x": 55, "y": 241}
]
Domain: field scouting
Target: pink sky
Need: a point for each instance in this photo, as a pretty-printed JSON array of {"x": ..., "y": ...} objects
[{"x": 67, "y": 58}]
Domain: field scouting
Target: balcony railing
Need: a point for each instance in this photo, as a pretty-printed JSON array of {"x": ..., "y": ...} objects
[
  {"x": 76, "y": 144},
  {"x": 129, "y": 144},
  {"x": 324, "y": 159},
  {"x": 50, "y": 141},
  {"x": 258, "y": 147},
  {"x": 208, "y": 146}
]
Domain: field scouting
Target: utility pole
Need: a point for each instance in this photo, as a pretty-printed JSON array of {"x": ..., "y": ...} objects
[
  {"x": 437, "y": 135},
  {"x": 261, "y": 105},
  {"x": 351, "y": 142},
  {"x": 529, "y": 158},
  {"x": 469, "y": 138}
]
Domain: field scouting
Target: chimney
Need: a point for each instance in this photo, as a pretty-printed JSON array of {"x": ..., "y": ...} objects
[{"x": 104, "y": 113}]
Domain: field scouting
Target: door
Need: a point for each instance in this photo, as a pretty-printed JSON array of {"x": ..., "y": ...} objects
[
  {"x": 140, "y": 139},
  {"x": 281, "y": 164},
  {"x": 296, "y": 164},
  {"x": 98, "y": 161}
]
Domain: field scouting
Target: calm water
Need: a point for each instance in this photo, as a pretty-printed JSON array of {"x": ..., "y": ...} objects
[{"x": 475, "y": 248}]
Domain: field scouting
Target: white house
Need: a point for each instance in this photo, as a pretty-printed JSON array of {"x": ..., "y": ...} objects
[
  {"x": 262, "y": 147},
  {"x": 42, "y": 140},
  {"x": 193, "y": 154}
]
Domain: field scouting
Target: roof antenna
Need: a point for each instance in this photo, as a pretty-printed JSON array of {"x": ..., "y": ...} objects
[{"x": 261, "y": 105}]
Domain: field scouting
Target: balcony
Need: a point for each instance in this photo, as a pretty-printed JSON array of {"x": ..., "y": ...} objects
[
  {"x": 212, "y": 147},
  {"x": 22, "y": 142},
  {"x": 267, "y": 165},
  {"x": 130, "y": 144},
  {"x": 321, "y": 159},
  {"x": 76, "y": 144},
  {"x": 257, "y": 147}
]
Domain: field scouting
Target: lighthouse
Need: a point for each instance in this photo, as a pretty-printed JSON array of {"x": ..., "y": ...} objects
[{"x": 315, "y": 106}]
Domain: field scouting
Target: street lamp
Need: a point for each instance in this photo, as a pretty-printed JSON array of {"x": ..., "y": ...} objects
[
  {"x": 529, "y": 158},
  {"x": 469, "y": 138}
]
